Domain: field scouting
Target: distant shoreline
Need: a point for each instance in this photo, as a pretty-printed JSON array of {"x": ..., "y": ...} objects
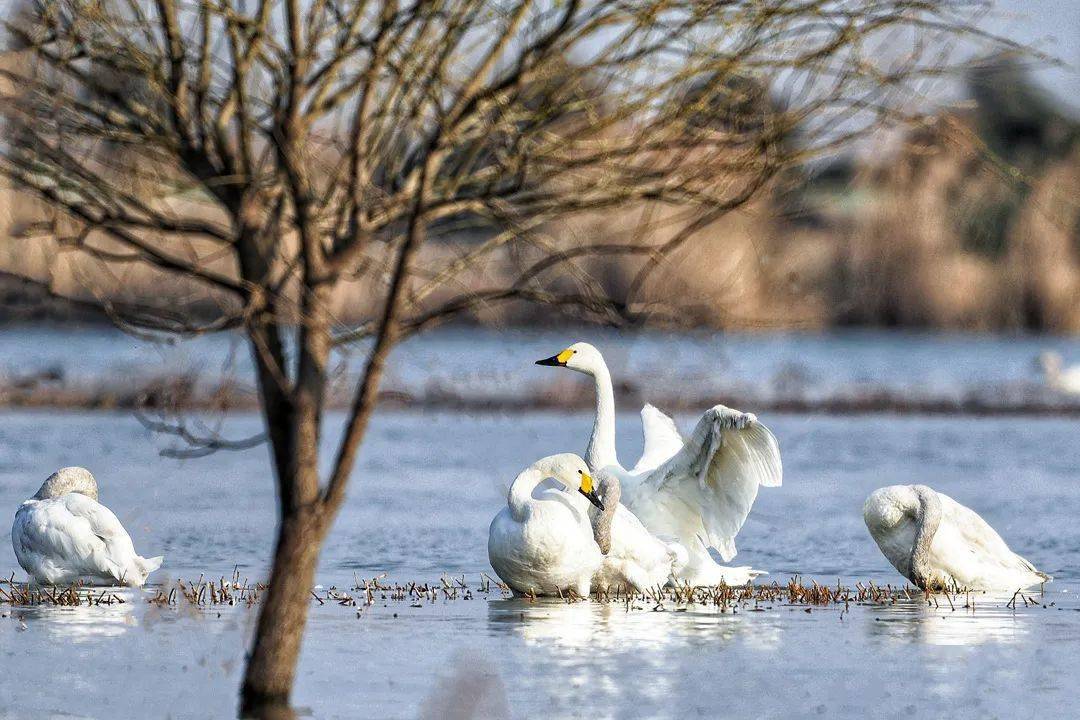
[{"x": 183, "y": 394}]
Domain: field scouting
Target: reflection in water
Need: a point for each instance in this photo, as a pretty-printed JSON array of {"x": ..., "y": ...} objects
[
  {"x": 609, "y": 627},
  {"x": 597, "y": 643},
  {"x": 915, "y": 622},
  {"x": 83, "y": 623}
]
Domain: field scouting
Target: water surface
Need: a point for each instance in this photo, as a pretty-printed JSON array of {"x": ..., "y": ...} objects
[{"x": 419, "y": 506}]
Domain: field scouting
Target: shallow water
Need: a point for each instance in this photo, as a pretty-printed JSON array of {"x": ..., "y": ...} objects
[{"x": 419, "y": 506}]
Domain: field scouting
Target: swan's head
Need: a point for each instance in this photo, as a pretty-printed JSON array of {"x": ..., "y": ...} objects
[
  {"x": 580, "y": 356},
  {"x": 570, "y": 470},
  {"x": 1050, "y": 362},
  {"x": 68, "y": 480},
  {"x": 887, "y": 507}
]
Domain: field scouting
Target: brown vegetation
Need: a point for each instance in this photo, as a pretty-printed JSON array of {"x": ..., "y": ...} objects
[
  {"x": 366, "y": 592},
  {"x": 972, "y": 221}
]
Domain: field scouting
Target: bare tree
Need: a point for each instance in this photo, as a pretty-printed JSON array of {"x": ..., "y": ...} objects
[{"x": 286, "y": 150}]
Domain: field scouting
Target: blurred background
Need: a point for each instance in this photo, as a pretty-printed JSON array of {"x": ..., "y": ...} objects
[{"x": 933, "y": 267}]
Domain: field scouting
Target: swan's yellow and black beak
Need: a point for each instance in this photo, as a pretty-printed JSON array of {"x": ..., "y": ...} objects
[
  {"x": 589, "y": 491},
  {"x": 559, "y": 360}
]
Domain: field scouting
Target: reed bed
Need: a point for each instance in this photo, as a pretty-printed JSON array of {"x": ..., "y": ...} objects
[
  {"x": 366, "y": 592},
  {"x": 74, "y": 595},
  {"x": 209, "y": 593}
]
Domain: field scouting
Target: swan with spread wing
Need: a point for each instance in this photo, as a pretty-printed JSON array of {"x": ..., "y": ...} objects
[{"x": 696, "y": 492}]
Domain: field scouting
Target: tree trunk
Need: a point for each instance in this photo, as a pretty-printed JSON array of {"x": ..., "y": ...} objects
[{"x": 268, "y": 679}]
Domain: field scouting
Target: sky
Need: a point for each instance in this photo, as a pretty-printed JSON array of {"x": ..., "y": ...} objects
[{"x": 1051, "y": 26}]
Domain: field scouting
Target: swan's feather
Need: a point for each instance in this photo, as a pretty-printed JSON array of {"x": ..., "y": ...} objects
[
  {"x": 981, "y": 544},
  {"x": 59, "y": 540},
  {"x": 636, "y": 559},
  {"x": 662, "y": 439},
  {"x": 703, "y": 493},
  {"x": 549, "y": 551}
]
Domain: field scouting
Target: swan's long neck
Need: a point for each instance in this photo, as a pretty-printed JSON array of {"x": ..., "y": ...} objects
[
  {"x": 601, "y": 520},
  {"x": 927, "y": 522},
  {"x": 521, "y": 491},
  {"x": 601, "y": 450}
]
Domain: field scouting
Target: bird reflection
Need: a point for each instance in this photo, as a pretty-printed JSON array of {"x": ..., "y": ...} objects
[
  {"x": 83, "y": 623},
  {"x": 989, "y": 622},
  {"x": 599, "y": 645}
]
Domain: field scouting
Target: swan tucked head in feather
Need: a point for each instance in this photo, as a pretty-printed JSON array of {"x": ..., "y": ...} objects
[
  {"x": 68, "y": 480},
  {"x": 580, "y": 356},
  {"x": 570, "y": 470},
  {"x": 888, "y": 506}
]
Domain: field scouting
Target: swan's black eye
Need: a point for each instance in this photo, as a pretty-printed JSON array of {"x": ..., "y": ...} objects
[{"x": 579, "y": 472}]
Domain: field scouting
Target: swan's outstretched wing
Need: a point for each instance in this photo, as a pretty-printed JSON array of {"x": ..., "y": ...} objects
[
  {"x": 662, "y": 439},
  {"x": 703, "y": 494}
]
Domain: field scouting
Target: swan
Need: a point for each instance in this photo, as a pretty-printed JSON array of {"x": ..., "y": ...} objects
[
  {"x": 1058, "y": 377},
  {"x": 63, "y": 534},
  {"x": 542, "y": 543},
  {"x": 697, "y": 492},
  {"x": 935, "y": 542},
  {"x": 633, "y": 557}
]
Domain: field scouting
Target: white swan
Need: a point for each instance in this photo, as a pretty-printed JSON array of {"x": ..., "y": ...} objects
[
  {"x": 935, "y": 542},
  {"x": 542, "y": 542},
  {"x": 696, "y": 492},
  {"x": 1058, "y": 377},
  {"x": 63, "y": 534},
  {"x": 633, "y": 557}
]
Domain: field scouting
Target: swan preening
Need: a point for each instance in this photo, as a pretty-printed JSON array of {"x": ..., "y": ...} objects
[
  {"x": 1057, "y": 376},
  {"x": 547, "y": 541},
  {"x": 696, "y": 492},
  {"x": 542, "y": 543},
  {"x": 937, "y": 543},
  {"x": 63, "y": 534}
]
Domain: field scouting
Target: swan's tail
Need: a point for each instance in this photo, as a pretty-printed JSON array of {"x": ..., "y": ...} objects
[
  {"x": 148, "y": 565},
  {"x": 703, "y": 570}
]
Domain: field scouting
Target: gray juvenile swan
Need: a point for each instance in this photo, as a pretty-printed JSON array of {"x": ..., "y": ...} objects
[
  {"x": 935, "y": 542},
  {"x": 633, "y": 557},
  {"x": 64, "y": 534}
]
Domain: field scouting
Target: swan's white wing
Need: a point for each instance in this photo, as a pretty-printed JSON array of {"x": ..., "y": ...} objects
[
  {"x": 703, "y": 494},
  {"x": 68, "y": 536},
  {"x": 978, "y": 545},
  {"x": 662, "y": 439}
]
